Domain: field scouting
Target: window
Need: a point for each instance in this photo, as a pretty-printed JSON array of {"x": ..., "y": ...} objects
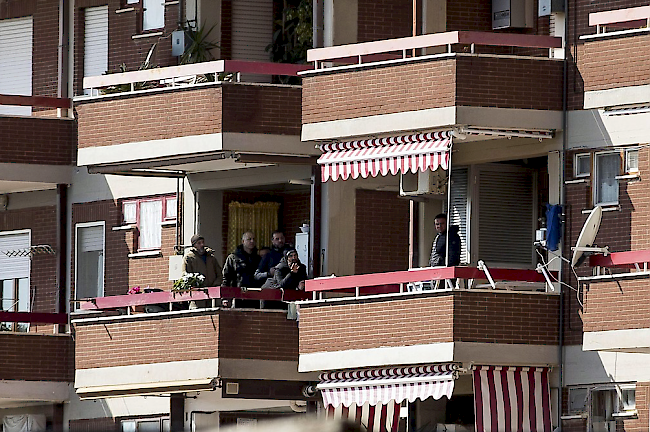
[
  {"x": 578, "y": 400},
  {"x": 148, "y": 214},
  {"x": 582, "y": 165},
  {"x": 608, "y": 167},
  {"x": 89, "y": 260},
  {"x": 632, "y": 161},
  {"x": 95, "y": 41},
  {"x": 16, "y": 61},
  {"x": 153, "y": 14},
  {"x": 14, "y": 275},
  {"x": 610, "y": 403},
  {"x": 146, "y": 425}
]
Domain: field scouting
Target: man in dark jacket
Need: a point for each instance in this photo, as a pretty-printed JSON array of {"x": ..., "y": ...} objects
[
  {"x": 439, "y": 248},
  {"x": 239, "y": 268},
  {"x": 200, "y": 259},
  {"x": 272, "y": 258},
  {"x": 290, "y": 273}
]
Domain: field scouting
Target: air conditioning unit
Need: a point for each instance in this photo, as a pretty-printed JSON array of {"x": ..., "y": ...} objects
[
  {"x": 512, "y": 13},
  {"x": 423, "y": 182}
]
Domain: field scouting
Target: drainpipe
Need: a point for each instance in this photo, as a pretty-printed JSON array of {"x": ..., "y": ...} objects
[
  {"x": 62, "y": 249},
  {"x": 565, "y": 138},
  {"x": 63, "y": 49}
]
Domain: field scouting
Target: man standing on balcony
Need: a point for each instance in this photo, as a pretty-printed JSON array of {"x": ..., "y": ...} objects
[
  {"x": 290, "y": 273},
  {"x": 439, "y": 248},
  {"x": 200, "y": 259},
  {"x": 266, "y": 270},
  {"x": 239, "y": 268}
]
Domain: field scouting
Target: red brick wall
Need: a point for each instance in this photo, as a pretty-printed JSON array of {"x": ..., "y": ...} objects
[
  {"x": 30, "y": 357},
  {"x": 121, "y": 47},
  {"x": 382, "y": 232},
  {"x": 262, "y": 109},
  {"x": 462, "y": 316},
  {"x": 122, "y": 272},
  {"x": 384, "y": 19},
  {"x": 17, "y": 8},
  {"x": 617, "y": 305},
  {"x": 236, "y": 334},
  {"x": 190, "y": 111},
  {"x": 148, "y": 117},
  {"x": 615, "y": 62},
  {"x": 37, "y": 141},
  {"x": 43, "y": 274},
  {"x": 473, "y": 81}
]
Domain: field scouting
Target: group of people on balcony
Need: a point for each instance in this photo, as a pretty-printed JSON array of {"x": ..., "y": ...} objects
[{"x": 280, "y": 267}]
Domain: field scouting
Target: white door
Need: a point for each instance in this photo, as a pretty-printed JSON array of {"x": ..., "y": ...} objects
[
  {"x": 95, "y": 41},
  {"x": 89, "y": 280},
  {"x": 16, "y": 62}
]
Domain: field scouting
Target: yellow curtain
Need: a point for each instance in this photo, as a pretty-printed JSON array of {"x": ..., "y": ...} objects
[{"x": 261, "y": 218}]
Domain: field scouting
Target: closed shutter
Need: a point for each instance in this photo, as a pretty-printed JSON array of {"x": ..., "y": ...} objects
[
  {"x": 505, "y": 215},
  {"x": 91, "y": 238},
  {"x": 458, "y": 214},
  {"x": 14, "y": 267},
  {"x": 96, "y": 41},
  {"x": 16, "y": 62},
  {"x": 252, "y": 32},
  {"x": 154, "y": 14}
]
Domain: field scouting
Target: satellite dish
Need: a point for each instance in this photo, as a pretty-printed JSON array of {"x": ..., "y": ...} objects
[{"x": 587, "y": 236}]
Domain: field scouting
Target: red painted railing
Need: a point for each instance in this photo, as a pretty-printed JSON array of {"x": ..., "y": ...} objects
[
  {"x": 389, "y": 282},
  {"x": 34, "y": 317},
  {"x": 122, "y": 301},
  {"x": 620, "y": 259},
  {"x": 36, "y": 101}
]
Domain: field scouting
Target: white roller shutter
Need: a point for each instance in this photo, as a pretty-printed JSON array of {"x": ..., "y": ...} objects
[
  {"x": 14, "y": 267},
  {"x": 458, "y": 213},
  {"x": 505, "y": 215},
  {"x": 252, "y": 32},
  {"x": 16, "y": 62},
  {"x": 96, "y": 41},
  {"x": 91, "y": 238}
]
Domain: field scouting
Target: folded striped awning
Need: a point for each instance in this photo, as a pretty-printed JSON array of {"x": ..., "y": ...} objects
[
  {"x": 381, "y": 386},
  {"x": 512, "y": 399},
  {"x": 405, "y": 153}
]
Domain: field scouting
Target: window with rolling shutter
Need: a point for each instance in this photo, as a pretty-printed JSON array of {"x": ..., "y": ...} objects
[
  {"x": 16, "y": 62},
  {"x": 89, "y": 277},
  {"x": 96, "y": 41},
  {"x": 252, "y": 32},
  {"x": 503, "y": 215},
  {"x": 459, "y": 209},
  {"x": 14, "y": 255}
]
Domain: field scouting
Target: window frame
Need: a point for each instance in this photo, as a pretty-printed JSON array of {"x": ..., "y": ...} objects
[
  {"x": 76, "y": 256},
  {"x": 595, "y": 178},
  {"x": 617, "y": 407},
  {"x": 576, "y": 165},
  {"x": 626, "y": 167},
  {"x": 136, "y": 223}
]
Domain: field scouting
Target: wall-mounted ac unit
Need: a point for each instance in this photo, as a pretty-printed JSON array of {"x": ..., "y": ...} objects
[
  {"x": 512, "y": 13},
  {"x": 423, "y": 182}
]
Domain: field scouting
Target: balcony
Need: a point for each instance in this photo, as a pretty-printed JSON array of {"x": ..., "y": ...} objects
[
  {"x": 235, "y": 352},
  {"x": 385, "y": 319},
  {"x": 21, "y": 378},
  {"x": 476, "y": 80},
  {"x": 616, "y": 313},
  {"x": 36, "y": 150},
  {"x": 612, "y": 60},
  {"x": 197, "y": 117}
]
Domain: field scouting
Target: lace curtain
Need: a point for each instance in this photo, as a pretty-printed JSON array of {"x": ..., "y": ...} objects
[{"x": 261, "y": 218}]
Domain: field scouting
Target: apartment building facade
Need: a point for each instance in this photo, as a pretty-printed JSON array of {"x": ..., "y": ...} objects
[{"x": 486, "y": 115}]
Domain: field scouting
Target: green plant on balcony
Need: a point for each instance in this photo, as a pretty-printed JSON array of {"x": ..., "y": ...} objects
[
  {"x": 292, "y": 36},
  {"x": 187, "y": 282},
  {"x": 200, "y": 48},
  {"x": 146, "y": 64}
]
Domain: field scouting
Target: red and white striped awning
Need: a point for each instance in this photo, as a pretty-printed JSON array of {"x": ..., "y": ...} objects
[
  {"x": 374, "y": 418},
  {"x": 512, "y": 399},
  {"x": 383, "y": 386},
  {"x": 406, "y": 153}
]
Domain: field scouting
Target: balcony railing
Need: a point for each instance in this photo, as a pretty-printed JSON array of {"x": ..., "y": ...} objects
[
  {"x": 63, "y": 105},
  {"x": 402, "y": 47},
  {"x": 634, "y": 19},
  {"x": 212, "y": 294},
  {"x": 630, "y": 264},
  {"x": 186, "y": 74},
  {"x": 423, "y": 278}
]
